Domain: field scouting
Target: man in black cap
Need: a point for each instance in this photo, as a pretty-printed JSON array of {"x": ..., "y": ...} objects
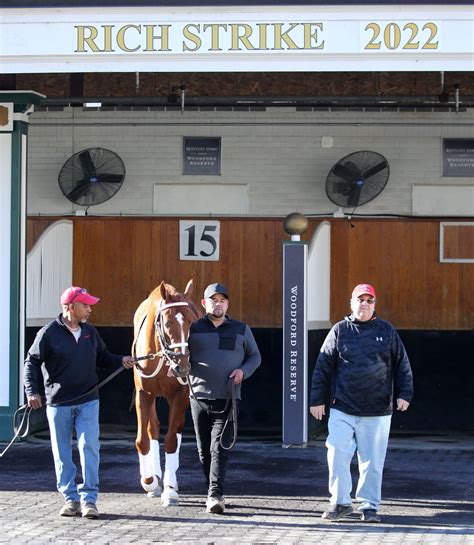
[{"x": 221, "y": 349}]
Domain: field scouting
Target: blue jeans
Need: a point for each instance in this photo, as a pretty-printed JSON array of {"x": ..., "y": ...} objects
[
  {"x": 367, "y": 434},
  {"x": 84, "y": 418}
]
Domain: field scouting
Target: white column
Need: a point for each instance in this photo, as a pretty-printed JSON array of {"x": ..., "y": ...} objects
[{"x": 5, "y": 253}]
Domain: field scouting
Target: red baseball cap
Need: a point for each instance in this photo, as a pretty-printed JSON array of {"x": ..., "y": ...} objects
[
  {"x": 363, "y": 289},
  {"x": 75, "y": 294}
]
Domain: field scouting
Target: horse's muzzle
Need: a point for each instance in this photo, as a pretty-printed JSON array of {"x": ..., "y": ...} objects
[{"x": 180, "y": 365}]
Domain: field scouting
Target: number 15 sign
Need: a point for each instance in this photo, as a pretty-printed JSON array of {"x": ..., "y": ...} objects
[{"x": 199, "y": 240}]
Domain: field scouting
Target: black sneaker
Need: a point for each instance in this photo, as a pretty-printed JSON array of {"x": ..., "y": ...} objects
[
  {"x": 369, "y": 515},
  {"x": 337, "y": 512}
]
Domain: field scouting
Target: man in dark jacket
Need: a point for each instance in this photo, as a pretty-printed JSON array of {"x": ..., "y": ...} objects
[
  {"x": 66, "y": 352},
  {"x": 362, "y": 364},
  {"x": 220, "y": 348}
]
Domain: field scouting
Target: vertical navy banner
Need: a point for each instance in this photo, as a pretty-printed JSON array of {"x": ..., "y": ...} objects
[{"x": 295, "y": 344}]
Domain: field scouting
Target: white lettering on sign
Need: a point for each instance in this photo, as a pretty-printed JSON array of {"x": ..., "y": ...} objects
[{"x": 293, "y": 327}]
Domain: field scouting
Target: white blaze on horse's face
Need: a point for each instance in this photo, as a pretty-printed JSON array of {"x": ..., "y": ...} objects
[
  {"x": 172, "y": 330},
  {"x": 173, "y": 327},
  {"x": 183, "y": 344}
]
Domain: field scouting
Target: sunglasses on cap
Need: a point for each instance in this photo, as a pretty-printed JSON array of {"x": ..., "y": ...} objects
[{"x": 76, "y": 295}]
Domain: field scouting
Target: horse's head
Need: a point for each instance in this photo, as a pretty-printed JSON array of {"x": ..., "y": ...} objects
[{"x": 176, "y": 312}]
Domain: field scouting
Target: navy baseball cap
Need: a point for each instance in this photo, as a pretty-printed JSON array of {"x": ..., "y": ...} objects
[{"x": 212, "y": 289}]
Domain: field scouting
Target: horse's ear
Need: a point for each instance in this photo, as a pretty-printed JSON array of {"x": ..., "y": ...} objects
[
  {"x": 163, "y": 291},
  {"x": 189, "y": 288}
]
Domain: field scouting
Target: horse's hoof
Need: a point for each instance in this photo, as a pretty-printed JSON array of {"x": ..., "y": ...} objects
[{"x": 169, "y": 497}]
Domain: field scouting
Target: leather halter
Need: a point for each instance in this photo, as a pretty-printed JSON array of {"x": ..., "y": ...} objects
[{"x": 166, "y": 352}]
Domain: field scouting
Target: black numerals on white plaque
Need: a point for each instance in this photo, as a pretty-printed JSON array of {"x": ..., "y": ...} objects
[{"x": 199, "y": 240}]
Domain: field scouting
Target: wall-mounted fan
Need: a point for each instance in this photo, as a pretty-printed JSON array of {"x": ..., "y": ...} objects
[
  {"x": 357, "y": 178},
  {"x": 91, "y": 176}
]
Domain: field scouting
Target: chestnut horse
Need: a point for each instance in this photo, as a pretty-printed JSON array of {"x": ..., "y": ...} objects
[{"x": 161, "y": 328}]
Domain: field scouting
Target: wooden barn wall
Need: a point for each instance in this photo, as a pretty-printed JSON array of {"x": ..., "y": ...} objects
[
  {"x": 122, "y": 259},
  {"x": 35, "y": 228},
  {"x": 401, "y": 258}
]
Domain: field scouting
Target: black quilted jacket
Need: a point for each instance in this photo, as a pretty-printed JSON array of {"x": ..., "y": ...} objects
[{"x": 361, "y": 368}]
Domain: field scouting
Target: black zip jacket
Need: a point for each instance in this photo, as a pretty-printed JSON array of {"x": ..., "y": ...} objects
[
  {"x": 216, "y": 352},
  {"x": 363, "y": 365},
  {"x": 68, "y": 366}
]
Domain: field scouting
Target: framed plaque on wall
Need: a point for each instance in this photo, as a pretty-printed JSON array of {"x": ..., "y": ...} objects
[
  {"x": 202, "y": 155},
  {"x": 458, "y": 157}
]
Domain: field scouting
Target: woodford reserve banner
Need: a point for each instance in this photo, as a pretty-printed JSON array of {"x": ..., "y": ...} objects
[
  {"x": 258, "y": 38},
  {"x": 295, "y": 344}
]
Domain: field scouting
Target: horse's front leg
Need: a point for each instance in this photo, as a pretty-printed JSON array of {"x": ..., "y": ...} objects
[
  {"x": 177, "y": 412},
  {"x": 147, "y": 444}
]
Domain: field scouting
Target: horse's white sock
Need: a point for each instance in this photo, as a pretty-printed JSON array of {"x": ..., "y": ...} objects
[
  {"x": 146, "y": 465},
  {"x": 172, "y": 465},
  {"x": 146, "y": 472},
  {"x": 155, "y": 457}
]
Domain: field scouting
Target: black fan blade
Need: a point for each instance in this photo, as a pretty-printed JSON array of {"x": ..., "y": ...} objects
[
  {"x": 347, "y": 171},
  {"x": 80, "y": 189},
  {"x": 110, "y": 178},
  {"x": 374, "y": 169},
  {"x": 87, "y": 164},
  {"x": 344, "y": 188},
  {"x": 354, "y": 196}
]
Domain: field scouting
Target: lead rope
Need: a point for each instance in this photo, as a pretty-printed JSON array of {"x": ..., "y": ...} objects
[
  {"x": 27, "y": 409},
  {"x": 231, "y": 417},
  {"x": 17, "y": 434}
]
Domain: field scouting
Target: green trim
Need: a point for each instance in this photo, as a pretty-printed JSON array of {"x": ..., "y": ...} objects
[
  {"x": 6, "y": 429},
  {"x": 21, "y": 99}
]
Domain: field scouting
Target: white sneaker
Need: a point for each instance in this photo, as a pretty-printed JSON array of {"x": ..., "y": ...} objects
[
  {"x": 70, "y": 509},
  {"x": 215, "y": 505},
  {"x": 89, "y": 511}
]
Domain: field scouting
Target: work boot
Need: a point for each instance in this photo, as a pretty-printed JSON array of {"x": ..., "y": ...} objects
[
  {"x": 337, "y": 512},
  {"x": 89, "y": 511},
  {"x": 70, "y": 509}
]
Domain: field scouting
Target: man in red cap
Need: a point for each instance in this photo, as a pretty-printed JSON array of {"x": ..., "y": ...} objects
[
  {"x": 66, "y": 353},
  {"x": 362, "y": 365}
]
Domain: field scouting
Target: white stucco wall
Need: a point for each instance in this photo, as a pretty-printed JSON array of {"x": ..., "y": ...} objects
[{"x": 278, "y": 153}]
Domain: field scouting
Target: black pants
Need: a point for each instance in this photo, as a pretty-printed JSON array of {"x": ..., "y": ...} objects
[{"x": 208, "y": 428}]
